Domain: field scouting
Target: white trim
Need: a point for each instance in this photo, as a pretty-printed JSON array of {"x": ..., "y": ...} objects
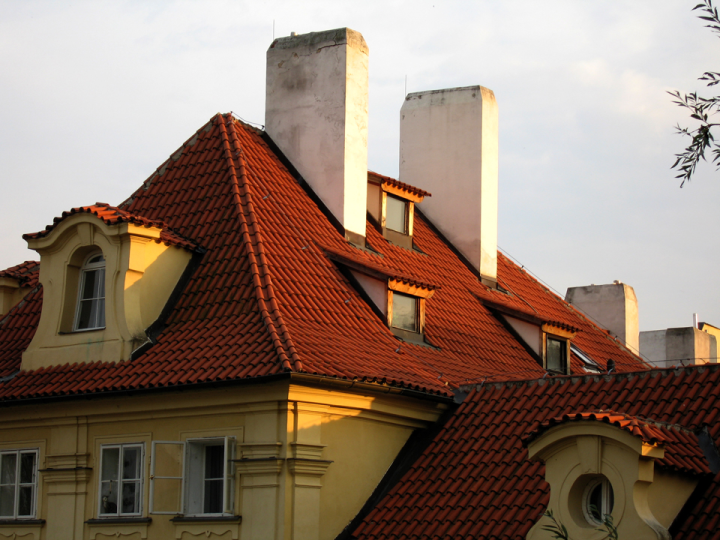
[
  {"x": 87, "y": 267},
  {"x": 139, "y": 481},
  {"x": 17, "y": 484}
]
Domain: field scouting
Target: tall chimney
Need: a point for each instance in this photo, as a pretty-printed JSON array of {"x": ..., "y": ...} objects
[
  {"x": 449, "y": 146},
  {"x": 316, "y": 111},
  {"x": 614, "y": 307}
]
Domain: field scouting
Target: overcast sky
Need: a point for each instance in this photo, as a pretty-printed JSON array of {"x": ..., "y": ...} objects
[{"x": 95, "y": 95}]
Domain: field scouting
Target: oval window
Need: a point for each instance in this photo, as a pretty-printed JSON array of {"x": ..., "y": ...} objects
[{"x": 598, "y": 500}]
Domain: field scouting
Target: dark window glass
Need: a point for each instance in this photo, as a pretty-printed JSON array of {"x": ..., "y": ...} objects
[
  {"x": 396, "y": 214},
  {"x": 556, "y": 356},
  {"x": 214, "y": 467},
  {"x": 405, "y": 312},
  {"x": 600, "y": 500},
  {"x": 91, "y": 308}
]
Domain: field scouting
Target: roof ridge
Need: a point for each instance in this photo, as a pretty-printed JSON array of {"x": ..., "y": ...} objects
[{"x": 262, "y": 279}]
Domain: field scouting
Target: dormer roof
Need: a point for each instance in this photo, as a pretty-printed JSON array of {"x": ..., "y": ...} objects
[
  {"x": 401, "y": 188},
  {"x": 111, "y": 215}
]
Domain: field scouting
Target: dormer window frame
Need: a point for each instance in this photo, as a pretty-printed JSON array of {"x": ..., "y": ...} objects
[
  {"x": 95, "y": 298},
  {"x": 401, "y": 289},
  {"x": 552, "y": 334},
  {"x": 382, "y": 193}
]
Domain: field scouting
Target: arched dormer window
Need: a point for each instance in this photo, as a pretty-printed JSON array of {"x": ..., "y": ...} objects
[{"x": 90, "y": 310}]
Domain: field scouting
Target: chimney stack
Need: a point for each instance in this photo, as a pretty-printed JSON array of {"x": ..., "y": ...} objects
[
  {"x": 449, "y": 146},
  {"x": 614, "y": 307},
  {"x": 316, "y": 112}
]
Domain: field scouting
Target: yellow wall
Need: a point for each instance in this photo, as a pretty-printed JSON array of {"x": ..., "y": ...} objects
[{"x": 309, "y": 456}]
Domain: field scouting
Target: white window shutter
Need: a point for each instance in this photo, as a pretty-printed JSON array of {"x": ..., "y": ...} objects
[{"x": 167, "y": 478}]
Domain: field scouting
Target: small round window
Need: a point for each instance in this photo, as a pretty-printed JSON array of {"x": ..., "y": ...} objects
[{"x": 598, "y": 500}]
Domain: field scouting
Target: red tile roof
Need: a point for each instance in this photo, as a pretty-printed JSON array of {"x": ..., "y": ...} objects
[
  {"x": 474, "y": 480},
  {"x": 110, "y": 215},
  {"x": 682, "y": 448},
  {"x": 267, "y": 299},
  {"x": 25, "y": 273}
]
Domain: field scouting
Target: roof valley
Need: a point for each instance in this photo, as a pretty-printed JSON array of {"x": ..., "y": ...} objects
[{"x": 262, "y": 279}]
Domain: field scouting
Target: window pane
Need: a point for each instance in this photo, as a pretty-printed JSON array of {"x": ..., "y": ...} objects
[
  {"x": 89, "y": 284},
  {"x": 595, "y": 502},
  {"x": 7, "y": 501},
  {"x": 108, "y": 497},
  {"x": 555, "y": 355},
  {"x": 85, "y": 315},
  {"x": 27, "y": 468},
  {"x": 8, "y": 464},
  {"x": 396, "y": 216},
  {"x": 110, "y": 460},
  {"x": 100, "y": 315},
  {"x": 213, "y": 484},
  {"x": 25, "y": 501},
  {"x": 100, "y": 291},
  {"x": 213, "y": 497},
  {"x": 214, "y": 461},
  {"x": 131, "y": 463},
  {"x": 130, "y": 494},
  {"x": 404, "y": 312}
]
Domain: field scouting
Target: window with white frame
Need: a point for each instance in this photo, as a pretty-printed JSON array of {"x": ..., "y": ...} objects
[
  {"x": 200, "y": 471},
  {"x": 120, "y": 492},
  {"x": 90, "y": 311},
  {"x": 18, "y": 484}
]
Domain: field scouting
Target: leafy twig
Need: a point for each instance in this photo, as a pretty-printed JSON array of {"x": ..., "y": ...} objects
[{"x": 701, "y": 109}]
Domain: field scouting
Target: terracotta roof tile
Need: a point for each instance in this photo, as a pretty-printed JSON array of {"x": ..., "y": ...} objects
[
  {"x": 398, "y": 184},
  {"x": 111, "y": 215},
  {"x": 25, "y": 273}
]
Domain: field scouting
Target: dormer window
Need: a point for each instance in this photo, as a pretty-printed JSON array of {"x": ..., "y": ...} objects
[
  {"x": 90, "y": 313},
  {"x": 556, "y": 339},
  {"x": 406, "y": 308},
  {"x": 391, "y": 204}
]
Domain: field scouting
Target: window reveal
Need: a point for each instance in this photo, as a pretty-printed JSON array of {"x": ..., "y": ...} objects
[
  {"x": 90, "y": 312},
  {"x": 18, "y": 484},
  {"x": 121, "y": 480}
]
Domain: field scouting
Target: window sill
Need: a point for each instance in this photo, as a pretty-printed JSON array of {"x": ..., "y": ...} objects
[
  {"x": 407, "y": 335},
  {"x": 82, "y": 331},
  {"x": 16, "y": 522},
  {"x": 205, "y": 519},
  {"x": 119, "y": 520}
]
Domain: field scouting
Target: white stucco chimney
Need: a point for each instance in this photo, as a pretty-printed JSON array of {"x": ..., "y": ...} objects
[
  {"x": 449, "y": 146},
  {"x": 614, "y": 307},
  {"x": 316, "y": 112}
]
